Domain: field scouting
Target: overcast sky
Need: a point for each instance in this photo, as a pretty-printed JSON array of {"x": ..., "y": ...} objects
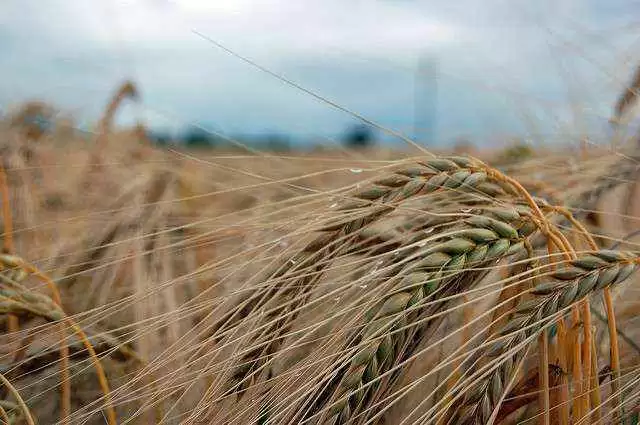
[{"x": 543, "y": 68}]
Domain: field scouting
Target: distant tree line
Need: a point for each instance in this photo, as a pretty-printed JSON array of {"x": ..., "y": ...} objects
[
  {"x": 359, "y": 136},
  {"x": 355, "y": 137}
]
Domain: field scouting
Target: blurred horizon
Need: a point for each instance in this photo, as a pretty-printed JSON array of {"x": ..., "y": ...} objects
[{"x": 435, "y": 71}]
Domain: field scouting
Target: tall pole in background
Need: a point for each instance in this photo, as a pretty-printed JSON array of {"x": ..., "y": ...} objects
[{"x": 426, "y": 100}]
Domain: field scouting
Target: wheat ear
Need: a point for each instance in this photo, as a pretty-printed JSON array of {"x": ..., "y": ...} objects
[{"x": 566, "y": 287}]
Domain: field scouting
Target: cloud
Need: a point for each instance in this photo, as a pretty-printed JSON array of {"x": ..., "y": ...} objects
[{"x": 502, "y": 66}]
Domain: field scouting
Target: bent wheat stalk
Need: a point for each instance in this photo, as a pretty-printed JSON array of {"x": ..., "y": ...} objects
[
  {"x": 443, "y": 269},
  {"x": 589, "y": 273},
  {"x": 17, "y": 299},
  {"x": 21, "y": 403}
]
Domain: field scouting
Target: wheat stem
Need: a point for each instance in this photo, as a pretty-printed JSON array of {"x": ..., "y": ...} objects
[
  {"x": 13, "y": 322},
  {"x": 6, "y": 212},
  {"x": 616, "y": 401},
  {"x": 575, "y": 349},
  {"x": 596, "y": 397},
  {"x": 586, "y": 353},
  {"x": 4, "y": 416},
  {"x": 21, "y": 403},
  {"x": 543, "y": 374},
  {"x": 564, "y": 382}
]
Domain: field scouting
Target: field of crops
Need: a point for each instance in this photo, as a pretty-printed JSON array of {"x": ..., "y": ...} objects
[{"x": 148, "y": 285}]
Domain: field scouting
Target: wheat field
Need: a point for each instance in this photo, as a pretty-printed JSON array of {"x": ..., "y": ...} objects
[{"x": 156, "y": 285}]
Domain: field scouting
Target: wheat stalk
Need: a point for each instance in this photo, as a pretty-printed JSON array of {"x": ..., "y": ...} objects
[{"x": 566, "y": 287}]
